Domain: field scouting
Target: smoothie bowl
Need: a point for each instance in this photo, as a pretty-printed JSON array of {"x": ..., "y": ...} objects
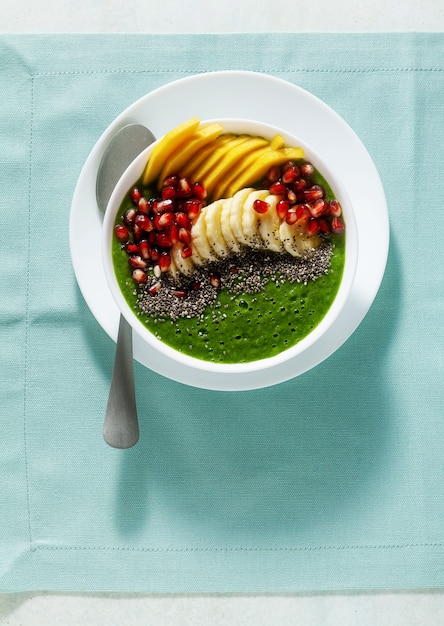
[{"x": 230, "y": 246}]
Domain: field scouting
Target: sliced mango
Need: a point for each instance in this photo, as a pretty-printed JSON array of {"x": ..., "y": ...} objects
[
  {"x": 178, "y": 159},
  {"x": 207, "y": 166},
  {"x": 167, "y": 146},
  {"x": 203, "y": 154}
]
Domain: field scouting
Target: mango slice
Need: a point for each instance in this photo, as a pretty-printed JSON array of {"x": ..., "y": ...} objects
[
  {"x": 167, "y": 146},
  {"x": 207, "y": 166},
  {"x": 177, "y": 160},
  {"x": 203, "y": 154}
]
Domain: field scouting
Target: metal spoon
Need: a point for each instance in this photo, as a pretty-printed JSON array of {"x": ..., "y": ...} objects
[{"x": 121, "y": 427}]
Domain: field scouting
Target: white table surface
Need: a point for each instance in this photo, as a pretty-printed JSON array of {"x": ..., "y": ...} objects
[{"x": 417, "y": 608}]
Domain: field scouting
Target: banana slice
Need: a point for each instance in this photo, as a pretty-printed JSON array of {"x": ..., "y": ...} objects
[
  {"x": 269, "y": 224},
  {"x": 251, "y": 219},
  {"x": 200, "y": 240},
  {"x": 184, "y": 266},
  {"x": 214, "y": 234},
  {"x": 236, "y": 209},
  {"x": 227, "y": 233},
  {"x": 295, "y": 242}
]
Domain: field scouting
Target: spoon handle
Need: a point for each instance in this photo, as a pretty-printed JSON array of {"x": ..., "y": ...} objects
[{"x": 121, "y": 428}]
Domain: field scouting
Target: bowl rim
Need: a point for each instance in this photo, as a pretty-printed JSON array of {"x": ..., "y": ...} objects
[{"x": 254, "y": 127}]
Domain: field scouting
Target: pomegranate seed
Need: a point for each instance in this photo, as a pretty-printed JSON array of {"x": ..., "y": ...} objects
[
  {"x": 318, "y": 208},
  {"x": 121, "y": 232},
  {"x": 163, "y": 206},
  {"x": 164, "y": 262},
  {"x": 139, "y": 276},
  {"x": 288, "y": 165},
  {"x": 184, "y": 188},
  {"x": 260, "y": 206},
  {"x": 291, "y": 174},
  {"x": 135, "y": 195},
  {"x": 129, "y": 216},
  {"x": 164, "y": 220},
  {"x": 186, "y": 252},
  {"x": 337, "y": 225},
  {"x": 137, "y": 262},
  {"x": 307, "y": 169},
  {"x": 132, "y": 248},
  {"x": 163, "y": 241},
  {"x": 291, "y": 217},
  {"x": 138, "y": 232},
  {"x": 199, "y": 191},
  {"x": 143, "y": 206},
  {"x": 313, "y": 227},
  {"x": 335, "y": 208},
  {"x": 299, "y": 185},
  {"x": 168, "y": 193},
  {"x": 180, "y": 293},
  {"x": 325, "y": 227},
  {"x": 171, "y": 181},
  {"x": 278, "y": 188},
  {"x": 184, "y": 235},
  {"x": 274, "y": 173},
  {"x": 303, "y": 213},
  {"x": 215, "y": 280},
  {"x": 193, "y": 209},
  {"x": 291, "y": 196},
  {"x": 182, "y": 220},
  {"x": 282, "y": 209},
  {"x": 234, "y": 269},
  {"x": 196, "y": 286},
  {"x": 313, "y": 193},
  {"x": 154, "y": 254},
  {"x": 173, "y": 233},
  {"x": 144, "y": 222},
  {"x": 154, "y": 288},
  {"x": 144, "y": 248}
]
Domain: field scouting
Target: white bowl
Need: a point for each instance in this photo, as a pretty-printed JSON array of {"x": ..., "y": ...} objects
[{"x": 318, "y": 334}]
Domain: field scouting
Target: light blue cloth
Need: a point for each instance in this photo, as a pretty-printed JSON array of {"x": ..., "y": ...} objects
[{"x": 334, "y": 480}]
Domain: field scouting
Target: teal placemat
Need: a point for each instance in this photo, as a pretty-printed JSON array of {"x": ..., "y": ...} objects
[{"x": 334, "y": 480}]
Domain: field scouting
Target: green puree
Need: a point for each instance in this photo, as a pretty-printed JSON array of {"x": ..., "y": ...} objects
[{"x": 245, "y": 327}]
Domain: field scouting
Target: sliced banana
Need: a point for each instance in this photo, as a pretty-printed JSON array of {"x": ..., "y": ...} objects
[
  {"x": 236, "y": 210},
  {"x": 200, "y": 240},
  {"x": 184, "y": 266},
  {"x": 296, "y": 242},
  {"x": 269, "y": 224},
  {"x": 214, "y": 234},
  {"x": 251, "y": 219},
  {"x": 230, "y": 239}
]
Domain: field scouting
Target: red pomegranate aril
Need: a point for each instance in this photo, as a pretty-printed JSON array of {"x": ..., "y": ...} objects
[
  {"x": 184, "y": 188},
  {"x": 163, "y": 206},
  {"x": 135, "y": 195},
  {"x": 199, "y": 191},
  {"x": 168, "y": 192},
  {"x": 325, "y": 228},
  {"x": 337, "y": 225},
  {"x": 171, "y": 181},
  {"x": 318, "y": 208},
  {"x": 137, "y": 262},
  {"x": 121, "y": 232},
  {"x": 154, "y": 288},
  {"x": 260, "y": 206},
  {"x": 196, "y": 286},
  {"x": 288, "y": 165},
  {"x": 182, "y": 220},
  {"x": 144, "y": 248},
  {"x": 303, "y": 213},
  {"x": 132, "y": 248},
  {"x": 164, "y": 220},
  {"x": 192, "y": 208},
  {"x": 180, "y": 293},
  {"x": 291, "y": 217},
  {"x": 307, "y": 169},
  {"x": 291, "y": 175},
  {"x": 139, "y": 276},
  {"x": 274, "y": 174},
  {"x": 299, "y": 185},
  {"x": 335, "y": 208},
  {"x": 173, "y": 233},
  {"x": 154, "y": 254},
  {"x": 144, "y": 222},
  {"x": 313, "y": 228},
  {"x": 184, "y": 235},
  {"x": 282, "y": 207},
  {"x": 186, "y": 252},
  {"x": 164, "y": 262},
  {"x": 215, "y": 280},
  {"x": 143, "y": 206},
  {"x": 138, "y": 233},
  {"x": 313, "y": 193},
  {"x": 163, "y": 241},
  {"x": 129, "y": 216},
  {"x": 278, "y": 188},
  {"x": 292, "y": 196}
]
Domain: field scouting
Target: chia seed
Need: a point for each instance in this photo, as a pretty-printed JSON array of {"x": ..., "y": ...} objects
[{"x": 247, "y": 272}]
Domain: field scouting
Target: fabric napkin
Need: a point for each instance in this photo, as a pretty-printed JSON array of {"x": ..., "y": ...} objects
[{"x": 331, "y": 481}]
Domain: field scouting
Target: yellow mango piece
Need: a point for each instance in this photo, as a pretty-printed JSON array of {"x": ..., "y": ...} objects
[
  {"x": 230, "y": 161},
  {"x": 277, "y": 142},
  {"x": 260, "y": 166},
  {"x": 167, "y": 146},
  {"x": 176, "y": 162},
  {"x": 203, "y": 154},
  {"x": 209, "y": 163}
]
